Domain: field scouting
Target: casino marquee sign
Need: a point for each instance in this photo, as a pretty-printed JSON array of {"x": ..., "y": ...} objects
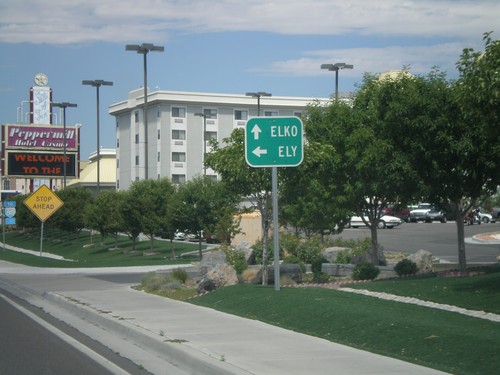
[{"x": 38, "y": 151}]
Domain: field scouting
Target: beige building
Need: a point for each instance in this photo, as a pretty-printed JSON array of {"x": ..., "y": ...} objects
[{"x": 88, "y": 172}]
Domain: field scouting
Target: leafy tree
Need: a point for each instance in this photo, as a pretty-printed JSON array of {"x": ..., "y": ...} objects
[
  {"x": 313, "y": 198},
  {"x": 202, "y": 205},
  {"x": 102, "y": 214},
  {"x": 70, "y": 216},
  {"x": 131, "y": 214},
  {"x": 228, "y": 160},
  {"x": 24, "y": 217},
  {"x": 152, "y": 198}
]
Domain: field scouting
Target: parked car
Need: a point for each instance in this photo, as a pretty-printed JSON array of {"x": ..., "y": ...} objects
[
  {"x": 418, "y": 214},
  {"x": 435, "y": 214},
  {"x": 180, "y": 236},
  {"x": 486, "y": 218},
  {"x": 398, "y": 211},
  {"x": 386, "y": 221}
]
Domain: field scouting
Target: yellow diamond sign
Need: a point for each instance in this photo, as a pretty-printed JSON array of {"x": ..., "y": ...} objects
[{"x": 43, "y": 203}]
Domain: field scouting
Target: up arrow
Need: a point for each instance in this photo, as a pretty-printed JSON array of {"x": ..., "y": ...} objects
[
  {"x": 256, "y": 130},
  {"x": 258, "y": 151}
]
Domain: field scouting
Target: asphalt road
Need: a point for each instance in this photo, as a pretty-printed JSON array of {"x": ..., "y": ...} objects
[{"x": 438, "y": 238}]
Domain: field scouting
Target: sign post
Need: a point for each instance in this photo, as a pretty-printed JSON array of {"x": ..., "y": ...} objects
[
  {"x": 274, "y": 142},
  {"x": 43, "y": 203}
]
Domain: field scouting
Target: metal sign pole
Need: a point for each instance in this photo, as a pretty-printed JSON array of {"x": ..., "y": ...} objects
[
  {"x": 276, "y": 229},
  {"x": 41, "y": 239}
]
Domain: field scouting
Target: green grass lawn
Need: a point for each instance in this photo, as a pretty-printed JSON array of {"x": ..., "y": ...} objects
[
  {"x": 433, "y": 338},
  {"x": 88, "y": 252}
]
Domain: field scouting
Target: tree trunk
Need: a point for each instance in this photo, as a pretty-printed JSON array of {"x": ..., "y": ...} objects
[
  {"x": 460, "y": 212},
  {"x": 373, "y": 252}
]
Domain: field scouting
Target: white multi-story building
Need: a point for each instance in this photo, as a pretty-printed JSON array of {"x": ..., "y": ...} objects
[{"x": 179, "y": 127}]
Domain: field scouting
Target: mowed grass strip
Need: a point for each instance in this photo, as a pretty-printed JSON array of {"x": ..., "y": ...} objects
[
  {"x": 480, "y": 292},
  {"x": 433, "y": 338},
  {"x": 87, "y": 254}
]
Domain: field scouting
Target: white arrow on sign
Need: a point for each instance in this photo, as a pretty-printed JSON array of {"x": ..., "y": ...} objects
[
  {"x": 258, "y": 151},
  {"x": 256, "y": 131}
]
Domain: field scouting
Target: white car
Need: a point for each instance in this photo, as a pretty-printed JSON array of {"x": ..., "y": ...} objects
[
  {"x": 486, "y": 218},
  {"x": 386, "y": 221}
]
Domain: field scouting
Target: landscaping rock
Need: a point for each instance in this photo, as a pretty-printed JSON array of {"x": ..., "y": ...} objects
[
  {"x": 290, "y": 270},
  {"x": 423, "y": 259},
  {"x": 246, "y": 248},
  {"x": 210, "y": 260},
  {"x": 221, "y": 275},
  {"x": 330, "y": 253}
]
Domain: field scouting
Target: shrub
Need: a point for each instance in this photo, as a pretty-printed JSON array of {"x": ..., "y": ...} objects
[
  {"x": 343, "y": 257},
  {"x": 292, "y": 259},
  {"x": 180, "y": 274},
  {"x": 316, "y": 264},
  {"x": 289, "y": 243},
  {"x": 406, "y": 267},
  {"x": 258, "y": 250},
  {"x": 310, "y": 250},
  {"x": 321, "y": 277},
  {"x": 365, "y": 271},
  {"x": 235, "y": 258}
]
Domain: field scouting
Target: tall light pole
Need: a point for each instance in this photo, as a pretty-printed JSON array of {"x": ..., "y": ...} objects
[
  {"x": 144, "y": 49},
  {"x": 335, "y": 68},
  {"x": 258, "y": 95},
  {"x": 64, "y": 105},
  {"x": 98, "y": 83},
  {"x": 204, "y": 140}
]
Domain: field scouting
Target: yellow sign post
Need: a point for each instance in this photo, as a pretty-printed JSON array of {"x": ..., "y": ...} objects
[{"x": 43, "y": 203}]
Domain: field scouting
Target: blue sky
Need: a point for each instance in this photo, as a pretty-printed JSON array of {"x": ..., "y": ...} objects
[{"x": 223, "y": 46}]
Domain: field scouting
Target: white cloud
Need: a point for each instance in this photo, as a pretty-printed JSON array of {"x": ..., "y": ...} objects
[
  {"x": 75, "y": 21},
  {"x": 373, "y": 60}
]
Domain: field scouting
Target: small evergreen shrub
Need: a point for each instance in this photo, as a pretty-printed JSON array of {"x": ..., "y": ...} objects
[
  {"x": 235, "y": 258},
  {"x": 406, "y": 267},
  {"x": 365, "y": 271},
  {"x": 180, "y": 274},
  {"x": 343, "y": 257}
]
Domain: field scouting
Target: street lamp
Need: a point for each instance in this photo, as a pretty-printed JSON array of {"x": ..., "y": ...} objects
[
  {"x": 204, "y": 140},
  {"x": 258, "y": 96},
  {"x": 64, "y": 105},
  {"x": 144, "y": 49},
  {"x": 98, "y": 83},
  {"x": 336, "y": 67}
]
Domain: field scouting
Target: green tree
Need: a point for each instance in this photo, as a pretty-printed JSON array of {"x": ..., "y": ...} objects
[
  {"x": 228, "y": 159},
  {"x": 152, "y": 198},
  {"x": 203, "y": 205},
  {"x": 70, "y": 216},
  {"x": 312, "y": 195},
  {"x": 131, "y": 215},
  {"x": 102, "y": 214}
]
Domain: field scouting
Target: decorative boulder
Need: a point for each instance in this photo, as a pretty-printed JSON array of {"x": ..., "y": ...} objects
[
  {"x": 330, "y": 253},
  {"x": 245, "y": 248},
  {"x": 221, "y": 275},
  {"x": 290, "y": 270},
  {"x": 423, "y": 259},
  {"x": 210, "y": 260}
]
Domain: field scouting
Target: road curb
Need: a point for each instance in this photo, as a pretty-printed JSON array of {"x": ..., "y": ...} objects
[{"x": 175, "y": 352}]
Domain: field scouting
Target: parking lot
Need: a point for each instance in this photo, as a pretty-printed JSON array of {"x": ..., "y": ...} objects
[{"x": 438, "y": 238}]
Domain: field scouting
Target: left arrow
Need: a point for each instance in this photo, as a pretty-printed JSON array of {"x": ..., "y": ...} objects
[
  {"x": 258, "y": 151},
  {"x": 256, "y": 131}
]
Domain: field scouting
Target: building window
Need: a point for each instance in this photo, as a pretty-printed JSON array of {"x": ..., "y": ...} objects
[
  {"x": 210, "y": 135},
  {"x": 270, "y": 113},
  {"x": 240, "y": 115},
  {"x": 117, "y": 142},
  {"x": 210, "y": 113},
  {"x": 136, "y": 138},
  {"x": 178, "y": 156},
  {"x": 117, "y": 163},
  {"x": 297, "y": 114},
  {"x": 137, "y": 160},
  {"x": 178, "y": 178},
  {"x": 178, "y": 134},
  {"x": 136, "y": 116},
  {"x": 178, "y": 112},
  {"x": 158, "y": 155},
  {"x": 159, "y": 133}
]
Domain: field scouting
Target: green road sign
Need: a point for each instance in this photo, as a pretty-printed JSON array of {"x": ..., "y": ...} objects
[{"x": 274, "y": 142}]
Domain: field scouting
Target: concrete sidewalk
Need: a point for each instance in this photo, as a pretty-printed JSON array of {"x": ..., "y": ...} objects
[
  {"x": 170, "y": 337},
  {"x": 211, "y": 342}
]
